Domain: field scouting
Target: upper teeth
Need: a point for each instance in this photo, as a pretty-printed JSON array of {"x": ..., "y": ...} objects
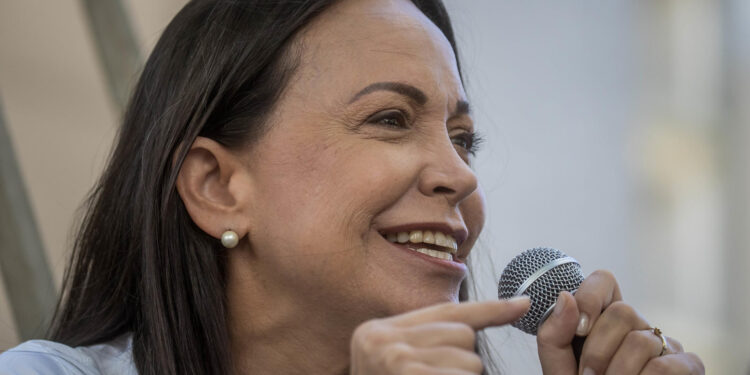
[{"x": 425, "y": 236}]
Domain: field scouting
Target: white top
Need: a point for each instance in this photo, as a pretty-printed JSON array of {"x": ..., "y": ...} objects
[{"x": 42, "y": 357}]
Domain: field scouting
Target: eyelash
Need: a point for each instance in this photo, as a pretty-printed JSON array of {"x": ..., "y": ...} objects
[
  {"x": 396, "y": 119},
  {"x": 471, "y": 141},
  {"x": 402, "y": 122}
]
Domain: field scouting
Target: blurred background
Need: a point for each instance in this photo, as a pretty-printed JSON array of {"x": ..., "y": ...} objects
[{"x": 615, "y": 131}]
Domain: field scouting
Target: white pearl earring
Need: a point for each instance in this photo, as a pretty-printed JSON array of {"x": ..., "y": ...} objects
[{"x": 230, "y": 239}]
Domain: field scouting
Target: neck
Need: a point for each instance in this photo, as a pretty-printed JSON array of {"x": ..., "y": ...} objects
[{"x": 281, "y": 334}]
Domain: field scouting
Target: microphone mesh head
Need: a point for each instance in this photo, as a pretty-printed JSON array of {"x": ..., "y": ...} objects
[{"x": 562, "y": 273}]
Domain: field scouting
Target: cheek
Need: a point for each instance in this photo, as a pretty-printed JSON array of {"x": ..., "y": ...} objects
[
  {"x": 330, "y": 192},
  {"x": 367, "y": 180}
]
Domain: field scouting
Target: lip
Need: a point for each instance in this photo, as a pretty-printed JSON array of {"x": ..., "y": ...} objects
[{"x": 455, "y": 266}]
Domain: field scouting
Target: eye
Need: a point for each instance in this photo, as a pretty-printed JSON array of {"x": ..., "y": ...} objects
[
  {"x": 392, "y": 118},
  {"x": 469, "y": 141}
]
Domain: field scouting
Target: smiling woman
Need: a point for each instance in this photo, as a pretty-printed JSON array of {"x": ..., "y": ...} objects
[{"x": 291, "y": 192}]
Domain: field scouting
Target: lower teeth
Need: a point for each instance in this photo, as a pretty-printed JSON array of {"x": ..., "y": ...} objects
[{"x": 435, "y": 253}]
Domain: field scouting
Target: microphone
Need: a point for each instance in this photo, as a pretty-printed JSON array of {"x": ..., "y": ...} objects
[{"x": 541, "y": 274}]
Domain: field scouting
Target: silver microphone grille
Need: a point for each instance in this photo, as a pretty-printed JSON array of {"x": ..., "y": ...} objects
[{"x": 541, "y": 274}]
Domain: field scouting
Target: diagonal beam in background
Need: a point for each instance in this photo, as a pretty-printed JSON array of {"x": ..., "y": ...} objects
[
  {"x": 116, "y": 46},
  {"x": 23, "y": 262}
]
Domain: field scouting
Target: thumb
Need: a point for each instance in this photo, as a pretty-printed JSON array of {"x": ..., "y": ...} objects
[{"x": 555, "y": 336}]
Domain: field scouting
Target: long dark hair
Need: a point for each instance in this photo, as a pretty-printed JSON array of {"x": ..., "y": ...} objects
[{"x": 139, "y": 263}]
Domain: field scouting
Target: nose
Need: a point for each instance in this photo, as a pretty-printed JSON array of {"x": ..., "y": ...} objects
[{"x": 447, "y": 174}]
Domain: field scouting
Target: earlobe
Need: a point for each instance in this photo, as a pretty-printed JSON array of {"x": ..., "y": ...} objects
[{"x": 207, "y": 184}]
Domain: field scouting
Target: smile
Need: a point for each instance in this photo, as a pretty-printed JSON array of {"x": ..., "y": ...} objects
[{"x": 429, "y": 242}]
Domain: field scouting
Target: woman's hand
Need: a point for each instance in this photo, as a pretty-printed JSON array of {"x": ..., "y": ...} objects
[
  {"x": 618, "y": 339},
  {"x": 434, "y": 340}
]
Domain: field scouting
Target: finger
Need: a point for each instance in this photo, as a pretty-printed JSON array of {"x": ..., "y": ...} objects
[
  {"x": 459, "y": 335},
  {"x": 477, "y": 315},
  {"x": 596, "y": 292},
  {"x": 607, "y": 335},
  {"x": 673, "y": 345},
  {"x": 675, "y": 364},
  {"x": 450, "y": 358},
  {"x": 555, "y": 335},
  {"x": 634, "y": 352}
]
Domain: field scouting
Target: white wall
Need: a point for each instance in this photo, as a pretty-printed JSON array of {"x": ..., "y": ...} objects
[{"x": 605, "y": 125}]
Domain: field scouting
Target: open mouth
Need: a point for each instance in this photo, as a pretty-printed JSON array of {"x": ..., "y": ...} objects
[{"x": 428, "y": 242}]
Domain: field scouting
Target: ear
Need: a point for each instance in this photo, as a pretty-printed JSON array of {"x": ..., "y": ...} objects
[{"x": 215, "y": 187}]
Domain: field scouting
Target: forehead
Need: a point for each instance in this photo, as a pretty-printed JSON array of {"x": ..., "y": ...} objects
[{"x": 357, "y": 42}]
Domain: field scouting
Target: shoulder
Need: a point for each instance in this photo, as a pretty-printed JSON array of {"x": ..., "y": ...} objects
[
  {"x": 37, "y": 357},
  {"x": 41, "y": 357}
]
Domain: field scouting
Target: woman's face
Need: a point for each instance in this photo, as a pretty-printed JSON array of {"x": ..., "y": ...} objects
[{"x": 368, "y": 141}]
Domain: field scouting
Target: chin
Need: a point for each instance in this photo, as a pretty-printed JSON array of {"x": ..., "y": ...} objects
[{"x": 416, "y": 299}]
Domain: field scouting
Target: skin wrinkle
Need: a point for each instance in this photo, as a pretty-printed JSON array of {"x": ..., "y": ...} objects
[
  {"x": 461, "y": 113},
  {"x": 402, "y": 53}
]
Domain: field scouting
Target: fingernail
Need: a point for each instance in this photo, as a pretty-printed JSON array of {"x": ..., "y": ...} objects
[
  {"x": 559, "y": 306},
  {"x": 588, "y": 371},
  {"x": 518, "y": 299},
  {"x": 583, "y": 326}
]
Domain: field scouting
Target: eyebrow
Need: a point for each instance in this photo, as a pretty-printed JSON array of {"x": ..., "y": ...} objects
[
  {"x": 462, "y": 106},
  {"x": 400, "y": 88}
]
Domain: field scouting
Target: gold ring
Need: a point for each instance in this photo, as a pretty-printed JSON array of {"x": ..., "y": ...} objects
[{"x": 659, "y": 334}]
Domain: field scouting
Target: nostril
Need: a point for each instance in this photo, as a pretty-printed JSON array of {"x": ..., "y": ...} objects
[{"x": 443, "y": 190}]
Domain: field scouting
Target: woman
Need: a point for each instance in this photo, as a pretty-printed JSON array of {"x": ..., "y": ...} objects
[{"x": 291, "y": 193}]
